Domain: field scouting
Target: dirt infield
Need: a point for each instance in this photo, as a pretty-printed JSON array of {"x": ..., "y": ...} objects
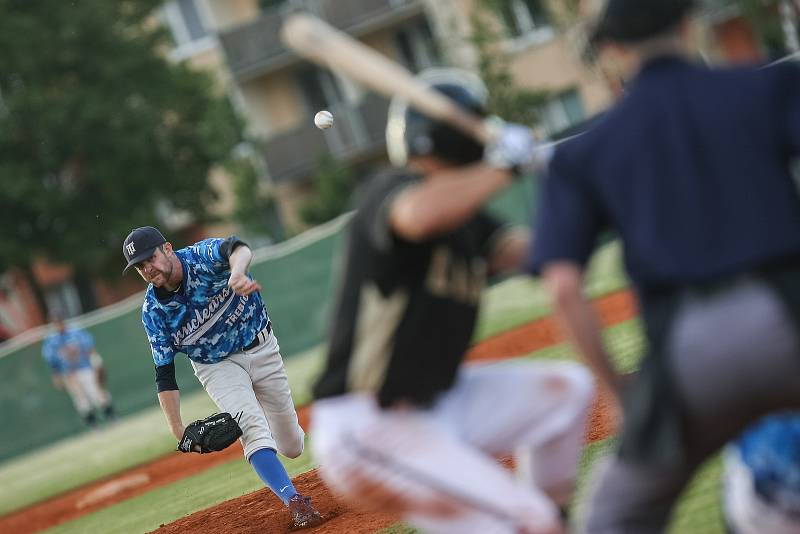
[{"x": 264, "y": 513}]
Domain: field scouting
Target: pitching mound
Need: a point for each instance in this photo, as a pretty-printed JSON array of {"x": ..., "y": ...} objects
[{"x": 261, "y": 513}]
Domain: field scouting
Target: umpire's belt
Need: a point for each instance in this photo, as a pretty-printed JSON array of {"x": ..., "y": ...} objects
[{"x": 260, "y": 338}]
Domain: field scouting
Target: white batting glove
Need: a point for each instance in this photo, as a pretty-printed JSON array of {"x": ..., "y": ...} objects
[{"x": 513, "y": 148}]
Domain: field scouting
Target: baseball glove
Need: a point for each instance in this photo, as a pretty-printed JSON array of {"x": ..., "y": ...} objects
[{"x": 214, "y": 433}]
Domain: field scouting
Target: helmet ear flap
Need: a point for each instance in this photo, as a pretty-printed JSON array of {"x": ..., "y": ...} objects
[{"x": 410, "y": 133}]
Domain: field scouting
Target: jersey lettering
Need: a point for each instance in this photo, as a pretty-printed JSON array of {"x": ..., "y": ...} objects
[
  {"x": 457, "y": 278},
  {"x": 188, "y": 332},
  {"x": 206, "y": 320}
]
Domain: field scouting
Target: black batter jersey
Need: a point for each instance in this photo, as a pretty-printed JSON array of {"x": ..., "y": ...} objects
[{"x": 406, "y": 311}]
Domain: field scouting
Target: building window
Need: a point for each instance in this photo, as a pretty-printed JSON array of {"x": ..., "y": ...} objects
[
  {"x": 524, "y": 16},
  {"x": 319, "y": 88},
  {"x": 417, "y": 46},
  {"x": 563, "y": 111},
  {"x": 312, "y": 92},
  {"x": 188, "y": 22}
]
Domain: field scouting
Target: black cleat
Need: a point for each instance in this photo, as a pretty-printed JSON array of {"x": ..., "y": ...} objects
[{"x": 303, "y": 513}]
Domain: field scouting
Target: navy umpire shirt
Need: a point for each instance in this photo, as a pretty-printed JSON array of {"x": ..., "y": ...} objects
[{"x": 692, "y": 170}]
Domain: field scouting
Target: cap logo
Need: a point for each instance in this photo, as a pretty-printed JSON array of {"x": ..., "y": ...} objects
[{"x": 130, "y": 248}]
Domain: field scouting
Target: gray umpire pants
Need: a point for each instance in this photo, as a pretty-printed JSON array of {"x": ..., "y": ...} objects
[{"x": 734, "y": 357}]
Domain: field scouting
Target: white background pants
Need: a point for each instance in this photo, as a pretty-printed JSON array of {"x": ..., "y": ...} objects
[
  {"x": 84, "y": 390},
  {"x": 97, "y": 365},
  {"x": 255, "y": 383},
  {"x": 536, "y": 411}
]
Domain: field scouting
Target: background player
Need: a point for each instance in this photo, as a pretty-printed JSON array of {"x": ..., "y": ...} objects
[
  {"x": 396, "y": 424},
  {"x": 692, "y": 169},
  {"x": 101, "y": 375},
  {"x": 201, "y": 301},
  {"x": 73, "y": 360}
]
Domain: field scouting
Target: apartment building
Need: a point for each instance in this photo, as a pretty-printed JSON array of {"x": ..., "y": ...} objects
[
  {"x": 279, "y": 93},
  {"x": 543, "y": 54}
]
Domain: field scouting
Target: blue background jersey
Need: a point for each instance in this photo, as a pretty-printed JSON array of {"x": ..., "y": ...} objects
[
  {"x": 771, "y": 451},
  {"x": 68, "y": 352},
  {"x": 204, "y": 319}
]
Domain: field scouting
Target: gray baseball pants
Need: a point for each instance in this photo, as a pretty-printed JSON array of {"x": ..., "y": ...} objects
[{"x": 734, "y": 356}]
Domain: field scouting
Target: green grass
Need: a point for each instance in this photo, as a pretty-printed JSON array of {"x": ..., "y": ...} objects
[
  {"x": 698, "y": 512},
  {"x": 169, "y": 503},
  {"x": 93, "y": 455},
  {"x": 303, "y": 370},
  {"x": 624, "y": 341},
  {"x": 519, "y": 300},
  {"x": 506, "y": 305}
]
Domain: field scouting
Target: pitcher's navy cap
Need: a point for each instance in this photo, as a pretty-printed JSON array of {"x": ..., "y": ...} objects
[
  {"x": 140, "y": 244},
  {"x": 628, "y": 21}
]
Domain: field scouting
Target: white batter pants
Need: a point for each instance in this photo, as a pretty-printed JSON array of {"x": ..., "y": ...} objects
[
  {"x": 255, "y": 383},
  {"x": 534, "y": 410},
  {"x": 84, "y": 391}
]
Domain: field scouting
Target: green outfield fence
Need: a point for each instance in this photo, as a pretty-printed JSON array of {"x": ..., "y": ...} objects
[{"x": 297, "y": 278}]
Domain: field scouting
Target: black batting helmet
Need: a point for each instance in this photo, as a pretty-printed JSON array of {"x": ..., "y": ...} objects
[{"x": 410, "y": 133}]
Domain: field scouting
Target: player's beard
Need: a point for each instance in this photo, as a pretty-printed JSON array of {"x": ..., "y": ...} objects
[{"x": 166, "y": 274}]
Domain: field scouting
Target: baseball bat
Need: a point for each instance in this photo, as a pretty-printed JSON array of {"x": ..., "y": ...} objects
[{"x": 317, "y": 41}]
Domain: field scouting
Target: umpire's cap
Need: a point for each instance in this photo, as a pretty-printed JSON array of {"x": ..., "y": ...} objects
[
  {"x": 410, "y": 133},
  {"x": 629, "y": 21},
  {"x": 140, "y": 244}
]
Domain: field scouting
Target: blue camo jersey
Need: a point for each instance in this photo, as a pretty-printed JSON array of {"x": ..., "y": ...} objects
[
  {"x": 68, "y": 352},
  {"x": 771, "y": 451},
  {"x": 205, "y": 319}
]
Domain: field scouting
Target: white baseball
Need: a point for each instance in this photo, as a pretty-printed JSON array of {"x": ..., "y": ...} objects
[{"x": 323, "y": 120}]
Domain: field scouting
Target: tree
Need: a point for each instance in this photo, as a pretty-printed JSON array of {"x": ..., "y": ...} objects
[
  {"x": 506, "y": 98},
  {"x": 766, "y": 20},
  {"x": 98, "y": 131},
  {"x": 333, "y": 186},
  {"x": 256, "y": 209}
]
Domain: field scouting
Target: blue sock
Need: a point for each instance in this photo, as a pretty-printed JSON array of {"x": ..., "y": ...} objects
[{"x": 272, "y": 472}]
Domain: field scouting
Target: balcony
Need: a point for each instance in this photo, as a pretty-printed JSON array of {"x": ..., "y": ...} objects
[
  {"x": 255, "y": 48},
  {"x": 358, "y": 132}
]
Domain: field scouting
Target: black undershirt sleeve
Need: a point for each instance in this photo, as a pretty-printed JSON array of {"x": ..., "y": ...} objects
[
  {"x": 228, "y": 245},
  {"x": 165, "y": 378}
]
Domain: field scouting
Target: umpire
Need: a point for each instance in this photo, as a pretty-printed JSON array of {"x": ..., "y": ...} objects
[{"x": 692, "y": 169}]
